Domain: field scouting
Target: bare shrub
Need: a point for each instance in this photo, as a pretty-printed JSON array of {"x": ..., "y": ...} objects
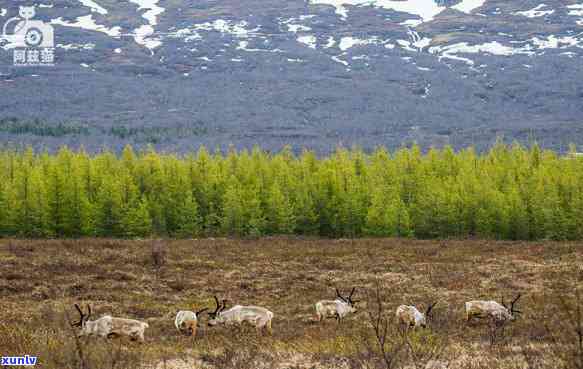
[
  {"x": 159, "y": 255},
  {"x": 567, "y": 331},
  {"x": 242, "y": 351},
  {"x": 385, "y": 347}
]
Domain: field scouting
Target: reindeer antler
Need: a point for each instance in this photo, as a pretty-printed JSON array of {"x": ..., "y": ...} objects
[
  {"x": 201, "y": 311},
  {"x": 430, "y": 307},
  {"x": 350, "y": 296},
  {"x": 512, "y": 311},
  {"x": 82, "y": 316},
  {"x": 340, "y": 296},
  {"x": 218, "y": 306}
]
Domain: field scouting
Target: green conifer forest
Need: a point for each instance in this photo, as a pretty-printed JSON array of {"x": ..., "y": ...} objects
[{"x": 510, "y": 192}]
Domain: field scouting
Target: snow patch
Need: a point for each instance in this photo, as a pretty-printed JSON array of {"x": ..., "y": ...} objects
[
  {"x": 576, "y": 10},
  {"x": 153, "y": 10},
  {"x": 87, "y": 22},
  {"x": 536, "y": 12},
  {"x": 331, "y": 42},
  {"x": 186, "y": 34},
  {"x": 338, "y": 60},
  {"x": 348, "y": 42},
  {"x": 244, "y": 46},
  {"x": 417, "y": 41},
  {"x": 94, "y": 6},
  {"x": 495, "y": 48},
  {"x": 142, "y": 34},
  {"x": 467, "y": 6},
  {"x": 142, "y": 37},
  {"x": 308, "y": 40},
  {"x": 553, "y": 42},
  {"x": 425, "y": 9},
  {"x": 240, "y": 29},
  {"x": 295, "y": 28}
]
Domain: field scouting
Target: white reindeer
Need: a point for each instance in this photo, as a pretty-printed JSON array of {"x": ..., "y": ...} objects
[
  {"x": 110, "y": 327},
  {"x": 492, "y": 309},
  {"x": 187, "y": 321},
  {"x": 410, "y": 316},
  {"x": 338, "y": 308},
  {"x": 255, "y": 315}
]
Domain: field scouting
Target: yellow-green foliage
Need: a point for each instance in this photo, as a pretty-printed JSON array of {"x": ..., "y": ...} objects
[{"x": 510, "y": 192}]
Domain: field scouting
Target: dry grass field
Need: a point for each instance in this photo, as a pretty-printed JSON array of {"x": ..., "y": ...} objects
[{"x": 41, "y": 280}]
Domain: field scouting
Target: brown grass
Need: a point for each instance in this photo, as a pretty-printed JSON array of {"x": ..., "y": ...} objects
[{"x": 41, "y": 280}]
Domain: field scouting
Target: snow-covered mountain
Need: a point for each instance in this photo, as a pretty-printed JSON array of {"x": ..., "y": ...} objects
[{"x": 308, "y": 73}]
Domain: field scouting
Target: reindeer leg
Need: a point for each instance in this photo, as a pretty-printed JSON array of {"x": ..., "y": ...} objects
[{"x": 269, "y": 328}]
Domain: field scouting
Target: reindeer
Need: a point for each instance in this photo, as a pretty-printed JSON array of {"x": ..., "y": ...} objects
[
  {"x": 411, "y": 317},
  {"x": 492, "y": 309},
  {"x": 187, "y": 321},
  {"x": 255, "y": 315},
  {"x": 338, "y": 308},
  {"x": 109, "y": 327}
]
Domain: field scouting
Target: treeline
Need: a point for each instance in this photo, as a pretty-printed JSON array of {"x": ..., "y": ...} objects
[
  {"x": 37, "y": 127},
  {"x": 510, "y": 192},
  {"x": 150, "y": 135}
]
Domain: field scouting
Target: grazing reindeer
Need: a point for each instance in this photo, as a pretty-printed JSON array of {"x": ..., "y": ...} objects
[
  {"x": 255, "y": 315},
  {"x": 187, "y": 321},
  {"x": 109, "y": 327},
  {"x": 338, "y": 308},
  {"x": 492, "y": 309},
  {"x": 411, "y": 317}
]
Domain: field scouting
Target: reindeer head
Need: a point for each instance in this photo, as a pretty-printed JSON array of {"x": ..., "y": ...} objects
[
  {"x": 348, "y": 300},
  {"x": 215, "y": 316},
  {"x": 510, "y": 309},
  {"x": 190, "y": 326},
  {"x": 83, "y": 320}
]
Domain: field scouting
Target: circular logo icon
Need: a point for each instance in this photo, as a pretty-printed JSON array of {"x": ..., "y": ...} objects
[{"x": 33, "y": 37}]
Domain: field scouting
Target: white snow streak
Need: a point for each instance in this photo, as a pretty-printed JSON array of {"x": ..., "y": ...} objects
[
  {"x": 308, "y": 40},
  {"x": 142, "y": 34},
  {"x": 87, "y": 22},
  {"x": 425, "y": 9},
  {"x": 94, "y": 6},
  {"x": 536, "y": 12}
]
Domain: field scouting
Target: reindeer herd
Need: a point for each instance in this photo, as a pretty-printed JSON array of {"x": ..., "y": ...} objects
[{"x": 186, "y": 322}]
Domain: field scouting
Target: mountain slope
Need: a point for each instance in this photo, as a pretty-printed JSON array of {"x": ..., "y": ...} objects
[{"x": 317, "y": 73}]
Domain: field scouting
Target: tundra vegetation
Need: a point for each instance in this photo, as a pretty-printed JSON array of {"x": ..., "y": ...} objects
[
  {"x": 510, "y": 192},
  {"x": 41, "y": 280}
]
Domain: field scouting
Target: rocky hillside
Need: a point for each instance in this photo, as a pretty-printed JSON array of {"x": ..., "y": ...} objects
[{"x": 310, "y": 73}]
